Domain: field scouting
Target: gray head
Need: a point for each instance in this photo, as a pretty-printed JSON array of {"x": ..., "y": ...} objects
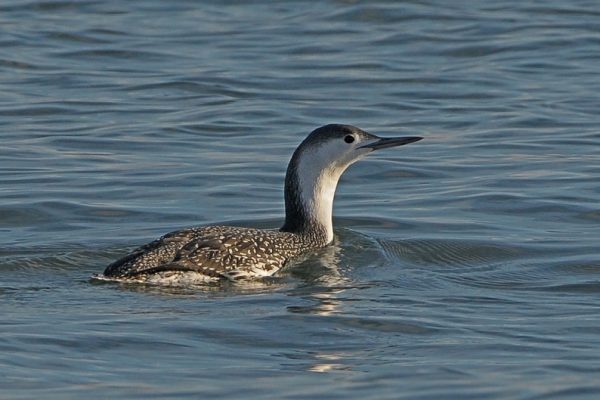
[{"x": 314, "y": 171}]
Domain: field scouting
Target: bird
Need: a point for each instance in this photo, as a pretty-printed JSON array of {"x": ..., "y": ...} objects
[{"x": 227, "y": 253}]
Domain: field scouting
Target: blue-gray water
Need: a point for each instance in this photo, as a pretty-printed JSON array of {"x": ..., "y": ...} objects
[{"x": 466, "y": 265}]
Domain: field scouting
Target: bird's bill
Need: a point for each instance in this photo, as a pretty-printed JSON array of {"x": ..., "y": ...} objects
[{"x": 383, "y": 143}]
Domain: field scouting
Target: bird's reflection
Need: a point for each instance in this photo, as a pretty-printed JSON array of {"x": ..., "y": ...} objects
[
  {"x": 329, "y": 362},
  {"x": 325, "y": 279}
]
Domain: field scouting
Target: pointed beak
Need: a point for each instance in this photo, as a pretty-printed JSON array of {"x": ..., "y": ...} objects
[{"x": 384, "y": 143}]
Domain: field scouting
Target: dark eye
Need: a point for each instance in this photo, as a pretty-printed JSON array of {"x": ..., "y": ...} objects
[{"x": 349, "y": 139}]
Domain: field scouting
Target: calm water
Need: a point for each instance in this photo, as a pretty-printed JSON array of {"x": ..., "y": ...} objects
[{"x": 466, "y": 265}]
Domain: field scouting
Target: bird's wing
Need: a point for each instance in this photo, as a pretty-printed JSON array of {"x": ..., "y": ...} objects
[
  {"x": 231, "y": 254},
  {"x": 213, "y": 251},
  {"x": 150, "y": 256}
]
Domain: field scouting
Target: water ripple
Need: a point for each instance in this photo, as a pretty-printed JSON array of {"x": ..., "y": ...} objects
[{"x": 464, "y": 266}]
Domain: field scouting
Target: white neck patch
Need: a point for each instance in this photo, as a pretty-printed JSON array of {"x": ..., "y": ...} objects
[{"x": 319, "y": 171}]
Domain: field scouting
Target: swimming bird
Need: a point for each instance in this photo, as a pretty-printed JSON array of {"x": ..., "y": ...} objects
[{"x": 210, "y": 253}]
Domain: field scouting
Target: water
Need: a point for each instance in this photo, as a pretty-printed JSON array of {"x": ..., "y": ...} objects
[{"x": 465, "y": 266}]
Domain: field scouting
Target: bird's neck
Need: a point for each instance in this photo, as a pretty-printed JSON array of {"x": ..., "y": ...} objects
[{"x": 309, "y": 193}]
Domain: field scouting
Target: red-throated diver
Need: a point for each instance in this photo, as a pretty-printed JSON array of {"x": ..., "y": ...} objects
[{"x": 216, "y": 252}]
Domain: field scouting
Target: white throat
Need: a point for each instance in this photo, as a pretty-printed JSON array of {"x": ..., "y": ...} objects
[
  {"x": 317, "y": 180},
  {"x": 317, "y": 195}
]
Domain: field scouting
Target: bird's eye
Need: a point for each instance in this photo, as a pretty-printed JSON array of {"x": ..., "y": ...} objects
[{"x": 349, "y": 139}]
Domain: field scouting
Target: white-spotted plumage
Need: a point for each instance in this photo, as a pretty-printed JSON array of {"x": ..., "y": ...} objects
[{"x": 210, "y": 253}]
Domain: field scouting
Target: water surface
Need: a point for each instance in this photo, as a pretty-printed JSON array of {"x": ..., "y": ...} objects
[{"x": 465, "y": 265}]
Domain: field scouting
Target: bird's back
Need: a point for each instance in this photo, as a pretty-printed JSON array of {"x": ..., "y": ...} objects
[{"x": 211, "y": 253}]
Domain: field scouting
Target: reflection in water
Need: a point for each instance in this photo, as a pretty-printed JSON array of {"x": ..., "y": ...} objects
[
  {"x": 324, "y": 303},
  {"x": 212, "y": 289},
  {"x": 320, "y": 266},
  {"x": 322, "y": 271},
  {"x": 330, "y": 362}
]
